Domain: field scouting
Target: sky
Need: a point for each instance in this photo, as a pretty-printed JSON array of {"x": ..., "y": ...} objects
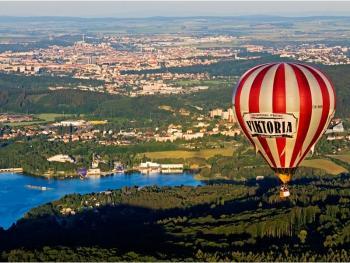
[{"x": 137, "y": 9}]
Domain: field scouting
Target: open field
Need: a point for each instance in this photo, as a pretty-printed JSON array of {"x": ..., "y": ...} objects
[
  {"x": 43, "y": 118},
  {"x": 343, "y": 157},
  {"x": 216, "y": 45},
  {"x": 206, "y": 153},
  {"x": 26, "y": 123},
  {"x": 324, "y": 164},
  {"x": 50, "y": 116}
]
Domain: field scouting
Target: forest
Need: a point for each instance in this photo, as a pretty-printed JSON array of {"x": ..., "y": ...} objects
[
  {"x": 13, "y": 81},
  {"x": 244, "y": 221},
  {"x": 29, "y": 94},
  {"x": 32, "y": 155},
  {"x": 118, "y": 107}
]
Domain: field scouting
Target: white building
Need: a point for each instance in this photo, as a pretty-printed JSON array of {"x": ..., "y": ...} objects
[
  {"x": 201, "y": 125},
  {"x": 75, "y": 123},
  {"x": 151, "y": 167},
  {"x": 338, "y": 127},
  {"x": 170, "y": 138},
  {"x": 231, "y": 133},
  {"x": 228, "y": 115},
  {"x": 215, "y": 113},
  {"x": 61, "y": 158},
  {"x": 191, "y": 136},
  {"x": 172, "y": 168}
]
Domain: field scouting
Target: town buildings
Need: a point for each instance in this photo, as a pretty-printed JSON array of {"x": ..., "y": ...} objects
[{"x": 152, "y": 167}]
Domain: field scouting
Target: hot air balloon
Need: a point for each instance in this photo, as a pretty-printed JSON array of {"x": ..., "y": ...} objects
[{"x": 283, "y": 109}]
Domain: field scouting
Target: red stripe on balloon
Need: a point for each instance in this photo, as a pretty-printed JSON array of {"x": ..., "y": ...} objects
[
  {"x": 254, "y": 98},
  {"x": 279, "y": 106},
  {"x": 304, "y": 112},
  {"x": 325, "y": 108},
  {"x": 237, "y": 102},
  {"x": 329, "y": 80}
]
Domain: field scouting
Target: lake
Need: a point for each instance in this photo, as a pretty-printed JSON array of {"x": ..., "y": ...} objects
[{"x": 16, "y": 198}]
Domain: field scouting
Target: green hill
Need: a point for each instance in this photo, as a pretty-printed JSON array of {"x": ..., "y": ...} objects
[{"x": 30, "y": 94}]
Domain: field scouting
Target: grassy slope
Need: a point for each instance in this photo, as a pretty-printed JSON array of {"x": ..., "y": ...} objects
[
  {"x": 205, "y": 153},
  {"x": 343, "y": 157},
  {"x": 327, "y": 165}
]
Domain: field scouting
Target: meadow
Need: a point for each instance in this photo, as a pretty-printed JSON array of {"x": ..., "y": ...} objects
[
  {"x": 343, "y": 157},
  {"x": 205, "y": 153},
  {"x": 324, "y": 164},
  {"x": 40, "y": 119}
]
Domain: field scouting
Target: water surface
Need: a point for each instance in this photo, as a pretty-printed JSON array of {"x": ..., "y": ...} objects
[{"x": 16, "y": 198}]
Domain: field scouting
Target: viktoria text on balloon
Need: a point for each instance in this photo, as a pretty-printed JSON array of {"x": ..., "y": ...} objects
[{"x": 270, "y": 125}]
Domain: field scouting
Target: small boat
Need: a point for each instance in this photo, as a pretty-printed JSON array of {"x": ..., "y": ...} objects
[{"x": 38, "y": 187}]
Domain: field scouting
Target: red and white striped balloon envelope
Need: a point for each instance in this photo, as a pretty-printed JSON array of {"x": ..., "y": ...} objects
[{"x": 283, "y": 109}]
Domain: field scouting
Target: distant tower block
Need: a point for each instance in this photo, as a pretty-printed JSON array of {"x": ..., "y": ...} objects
[{"x": 230, "y": 118}]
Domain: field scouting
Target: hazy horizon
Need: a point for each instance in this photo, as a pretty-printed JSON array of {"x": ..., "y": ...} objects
[{"x": 145, "y": 9}]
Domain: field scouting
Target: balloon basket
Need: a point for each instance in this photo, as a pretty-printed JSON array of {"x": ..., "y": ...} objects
[{"x": 284, "y": 192}]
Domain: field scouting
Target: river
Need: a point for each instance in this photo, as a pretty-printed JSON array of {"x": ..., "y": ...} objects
[{"x": 16, "y": 198}]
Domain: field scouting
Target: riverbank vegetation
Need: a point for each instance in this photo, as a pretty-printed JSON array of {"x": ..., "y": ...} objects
[
  {"x": 32, "y": 155},
  {"x": 213, "y": 157},
  {"x": 229, "y": 222}
]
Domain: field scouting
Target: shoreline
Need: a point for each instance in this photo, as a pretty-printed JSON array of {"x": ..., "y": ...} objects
[
  {"x": 32, "y": 198},
  {"x": 71, "y": 176},
  {"x": 200, "y": 177}
]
